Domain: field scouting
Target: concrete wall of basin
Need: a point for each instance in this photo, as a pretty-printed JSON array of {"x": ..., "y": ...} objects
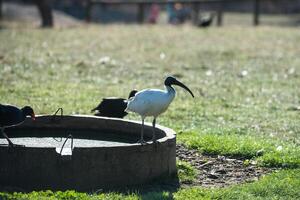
[{"x": 88, "y": 169}]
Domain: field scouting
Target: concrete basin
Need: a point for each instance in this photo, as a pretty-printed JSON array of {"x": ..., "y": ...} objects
[{"x": 104, "y": 154}]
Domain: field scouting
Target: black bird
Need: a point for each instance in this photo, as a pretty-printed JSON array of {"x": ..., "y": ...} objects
[
  {"x": 13, "y": 116},
  {"x": 113, "y": 106},
  {"x": 206, "y": 21}
]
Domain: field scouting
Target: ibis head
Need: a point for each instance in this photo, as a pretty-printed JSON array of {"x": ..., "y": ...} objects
[
  {"x": 28, "y": 111},
  {"x": 170, "y": 80},
  {"x": 132, "y": 93}
]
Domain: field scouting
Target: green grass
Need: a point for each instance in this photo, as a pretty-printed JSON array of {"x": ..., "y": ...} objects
[
  {"x": 280, "y": 185},
  {"x": 186, "y": 172},
  {"x": 68, "y": 195},
  {"x": 232, "y": 114},
  {"x": 268, "y": 152},
  {"x": 61, "y": 68}
]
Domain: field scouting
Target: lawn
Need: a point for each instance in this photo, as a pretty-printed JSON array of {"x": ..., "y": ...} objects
[{"x": 245, "y": 80}]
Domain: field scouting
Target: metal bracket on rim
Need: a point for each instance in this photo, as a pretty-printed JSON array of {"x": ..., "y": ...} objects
[
  {"x": 54, "y": 116},
  {"x": 66, "y": 153}
]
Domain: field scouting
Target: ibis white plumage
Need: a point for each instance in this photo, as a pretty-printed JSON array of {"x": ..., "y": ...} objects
[{"x": 153, "y": 102}]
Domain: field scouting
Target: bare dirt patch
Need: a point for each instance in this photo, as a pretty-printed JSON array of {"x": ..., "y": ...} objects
[{"x": 219, "y": 171}]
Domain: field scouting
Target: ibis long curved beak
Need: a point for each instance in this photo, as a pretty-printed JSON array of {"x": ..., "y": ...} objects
[{"x": 176, "y": 82}]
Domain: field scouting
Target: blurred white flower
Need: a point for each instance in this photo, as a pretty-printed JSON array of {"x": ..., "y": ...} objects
[
  {"x": 279, "y": 148},
  {"x": 275, "y": 77},
  {"x": 244, "y": 73},
  {"x": 45, "y": 44},
  {"x": 291, "y": 70},
  {"x": 253, "y": 162},
  {"x": 7, "y": 68},
  {"x": 113, "y": 62},
  {"x": 104, "y": 59},
  {"x": 256, "y": 127},
  {"x": 162, "y": 55},
  {"x": 208, "y": 73}
]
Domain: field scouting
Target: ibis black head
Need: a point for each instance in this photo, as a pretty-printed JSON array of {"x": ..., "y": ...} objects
[
  {"x": 132, "y": 93},
  {"x": 28, "y": 111},
  {"x": 170, "y": 80}
]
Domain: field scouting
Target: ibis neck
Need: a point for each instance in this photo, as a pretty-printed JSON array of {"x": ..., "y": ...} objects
[
  {"x": 23, "y": 116},
  {"x": 170, "y": 90},
  {"x": 23, "y": 113}
]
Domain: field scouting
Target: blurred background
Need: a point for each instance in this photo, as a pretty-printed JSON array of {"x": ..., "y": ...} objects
[{"x": 202, "y": 13}]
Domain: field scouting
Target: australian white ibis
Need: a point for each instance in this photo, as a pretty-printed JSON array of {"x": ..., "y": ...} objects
[
  {"x": 113, "y": 106},
  {"x": 153, "y": 102},
  {"x": 13, "y": 116}
]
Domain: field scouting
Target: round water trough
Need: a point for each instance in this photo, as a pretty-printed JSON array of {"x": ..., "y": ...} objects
[{"x": 104, "y": 154}]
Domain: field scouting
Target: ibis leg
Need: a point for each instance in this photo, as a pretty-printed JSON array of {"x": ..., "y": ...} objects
[
  {"x": 142, "y": 141},
  {"x": 8, "y": 140},
  {"x": 153, "y": 130},
  {"x": 10, "y": 144}
]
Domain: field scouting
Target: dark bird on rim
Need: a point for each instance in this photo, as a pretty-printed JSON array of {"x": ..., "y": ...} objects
[
  {"x": 113, "y": 106},
  {"x": 13, "y": 116},
  {"x": 206, "y": 21}
]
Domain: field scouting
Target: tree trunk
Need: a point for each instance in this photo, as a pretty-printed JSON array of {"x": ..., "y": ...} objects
[
  {"x": 45, "y": 9},
  {"x": 256, "y": 12},
  {"x": 1, "y": 9}
]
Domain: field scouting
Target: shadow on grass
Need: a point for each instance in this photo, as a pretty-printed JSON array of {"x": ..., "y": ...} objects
[{"x": 162, "y": 188}]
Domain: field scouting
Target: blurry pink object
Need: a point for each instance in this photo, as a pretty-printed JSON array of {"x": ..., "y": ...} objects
[{"x": 154, "y": 13}]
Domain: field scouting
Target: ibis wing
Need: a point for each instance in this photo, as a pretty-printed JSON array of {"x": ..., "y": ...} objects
[
  {"x": 1, "y": 115},
  {"x": 150, "y": 102},
  {"x": 112, "y": 106},
  {"x": 10, "y": 115}
]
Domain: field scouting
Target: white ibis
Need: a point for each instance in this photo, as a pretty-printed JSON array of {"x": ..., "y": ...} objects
[
  {"x": 13, "y": 116},
  {"x": 153, "y": 102},
  {"x": 113, "y": 106}
]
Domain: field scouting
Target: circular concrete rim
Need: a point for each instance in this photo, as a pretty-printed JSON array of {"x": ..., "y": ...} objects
[
  {"x": 87, "y": 168},
  {"x": 168, "y": 134}
]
